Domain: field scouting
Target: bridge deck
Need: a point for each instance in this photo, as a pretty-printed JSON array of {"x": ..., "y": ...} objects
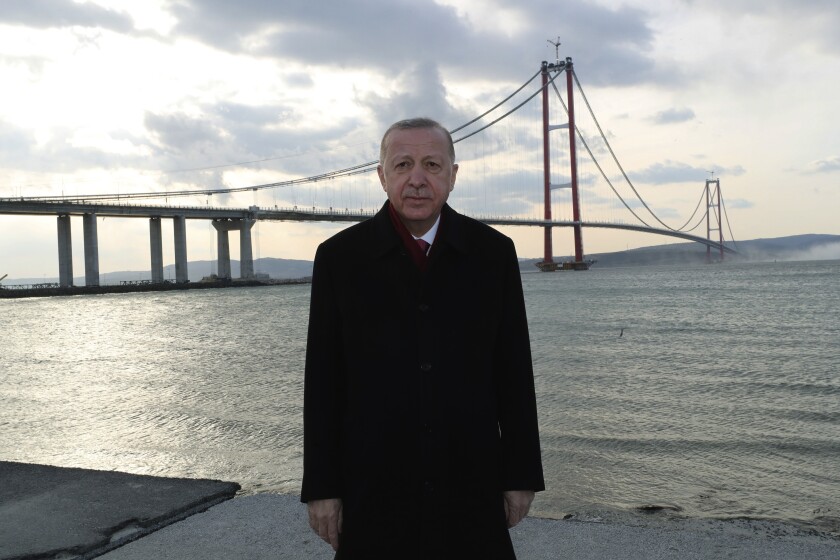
[{"x": 295, "y": 214}]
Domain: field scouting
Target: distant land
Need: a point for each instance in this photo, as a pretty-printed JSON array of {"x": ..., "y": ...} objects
[{"x": 808, "y": 247}]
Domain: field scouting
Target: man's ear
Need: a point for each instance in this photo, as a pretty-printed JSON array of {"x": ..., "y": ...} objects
[
  {"x": 454, "y": 174},
  {"x": 381, "y": 173}
]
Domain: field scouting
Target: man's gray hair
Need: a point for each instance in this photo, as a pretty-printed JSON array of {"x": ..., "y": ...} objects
[{"x": 417, "y": 122}]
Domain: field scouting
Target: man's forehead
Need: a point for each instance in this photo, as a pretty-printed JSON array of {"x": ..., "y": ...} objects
[{"x": 422, "y": 141}]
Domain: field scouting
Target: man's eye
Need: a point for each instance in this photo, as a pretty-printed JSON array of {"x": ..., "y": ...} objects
[
  {"x": 432, "y": 164},
  {"x": 402, "y": 165}
]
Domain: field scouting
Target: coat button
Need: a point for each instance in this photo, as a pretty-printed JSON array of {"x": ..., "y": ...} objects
[{"x": 426, "y": 367}]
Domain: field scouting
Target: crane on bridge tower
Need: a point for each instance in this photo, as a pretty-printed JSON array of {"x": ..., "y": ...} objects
[{"x": 548, "y": 264}]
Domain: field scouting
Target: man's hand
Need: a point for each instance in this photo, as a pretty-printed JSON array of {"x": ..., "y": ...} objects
[
  {"x": 517, "y": 504},
  {"x": 325, "y": 518}
]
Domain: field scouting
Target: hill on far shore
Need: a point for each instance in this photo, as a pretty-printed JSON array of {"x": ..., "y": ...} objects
[{"x": 808, "y": 247}]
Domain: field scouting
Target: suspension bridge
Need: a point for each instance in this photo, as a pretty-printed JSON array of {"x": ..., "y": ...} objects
[{"x": 518, "y": 169}]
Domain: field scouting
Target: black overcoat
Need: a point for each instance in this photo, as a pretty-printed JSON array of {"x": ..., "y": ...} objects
[{"x": 419, "y": 405}]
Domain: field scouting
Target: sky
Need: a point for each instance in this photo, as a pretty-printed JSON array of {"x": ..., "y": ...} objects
[{"x": 107, "y": 96}]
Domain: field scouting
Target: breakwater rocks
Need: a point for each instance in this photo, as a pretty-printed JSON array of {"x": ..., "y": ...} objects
[{"x": 47, "y": 291}]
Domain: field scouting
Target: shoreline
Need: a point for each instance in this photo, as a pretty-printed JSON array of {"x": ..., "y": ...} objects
[
  {"x": 670, "y": 520},
  {"x": 17, "y": 293},
  {"x": 664, "y": 516}
]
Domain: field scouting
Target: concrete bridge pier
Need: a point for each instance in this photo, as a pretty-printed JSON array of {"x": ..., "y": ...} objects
[
  {"x": 91, "y": 250},
  {"x": 156, "y": 246},
  {"x": 223, "y": 247},
  {"x": 181, "y": 273},
  {"x": 65, "y": 251},
  {"x": 246, "y": 256},
  {"x": 246, "y": 259}
]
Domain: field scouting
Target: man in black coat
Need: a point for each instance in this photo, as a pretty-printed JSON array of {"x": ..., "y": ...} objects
[{"x": 420, "y": 421}]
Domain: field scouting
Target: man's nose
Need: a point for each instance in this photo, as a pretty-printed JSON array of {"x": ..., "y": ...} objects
[{"x": 417, "y": 177}]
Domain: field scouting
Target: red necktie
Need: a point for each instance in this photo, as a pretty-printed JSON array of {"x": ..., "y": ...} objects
[{"x": 424, "y": 246}]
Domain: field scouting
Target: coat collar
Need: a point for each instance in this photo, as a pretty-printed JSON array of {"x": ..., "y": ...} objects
[
  {"x": 451, "y": 232},
  {"x": 385, "y": 237}
]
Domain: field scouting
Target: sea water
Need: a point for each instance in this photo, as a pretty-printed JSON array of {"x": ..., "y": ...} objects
[{"x": 707, "y": 391}]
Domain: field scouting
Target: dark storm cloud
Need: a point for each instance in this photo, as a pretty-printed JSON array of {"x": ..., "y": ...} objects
[
  {"x": 609, "y": 46},
  {"x": 62, "y": 13}
]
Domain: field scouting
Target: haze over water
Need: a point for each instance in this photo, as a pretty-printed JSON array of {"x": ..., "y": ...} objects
[{"x": 713, "y": 390}]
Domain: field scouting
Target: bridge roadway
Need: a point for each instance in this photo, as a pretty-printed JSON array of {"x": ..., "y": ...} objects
[{"x": 224, "y": 220}]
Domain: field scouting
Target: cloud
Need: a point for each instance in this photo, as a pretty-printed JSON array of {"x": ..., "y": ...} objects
[
  {"x": 421, "y": 93},
  {"x": 62, "y": 13},
  {"x": 19, "y": 150},
  {"x": 673, "y": 115},
  {"x": 612, "y": 45},
  {"x": 675, "y": 172},
  {"x": 828, "y": 165},
  {"x": 181, "y": 133},
  {"x": 15, "y": 144},
  {"x": 238, "y": 136},
  {"x": 355, "y": 34},
  {"x": 806, "y": 21},
  {"x": 739, "y": 204}
]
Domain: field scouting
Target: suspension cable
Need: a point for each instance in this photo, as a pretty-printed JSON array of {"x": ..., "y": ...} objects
[
  {"x": 598, "y": 165},
  {"x": 530, "y": 97},
  {"x": 615, "y": 158},
  {"x": 499, "y": 104},
  {"x": 366, "y": 167},
  {"x": 696, "y": 208},
  {"x": 728, "y": 224}
]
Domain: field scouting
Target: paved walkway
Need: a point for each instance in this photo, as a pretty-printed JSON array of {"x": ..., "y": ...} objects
[{"x": 47, "y": 511}]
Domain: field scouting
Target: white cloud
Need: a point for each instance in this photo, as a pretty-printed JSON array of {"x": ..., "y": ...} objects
[{"x": 828, "y": 165}]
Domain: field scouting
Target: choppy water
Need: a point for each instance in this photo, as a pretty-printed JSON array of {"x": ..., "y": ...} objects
[{"x": 721, "y": 398}]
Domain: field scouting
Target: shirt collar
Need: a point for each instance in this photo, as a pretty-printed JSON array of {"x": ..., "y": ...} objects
[{"x": 429, "y": 236}]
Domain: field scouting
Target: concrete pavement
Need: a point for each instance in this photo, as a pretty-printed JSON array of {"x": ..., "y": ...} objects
[
  {"x": 49, "y": 512},
  {"x": 52, "y": 512},
  {"x": 272, "y": 526}
]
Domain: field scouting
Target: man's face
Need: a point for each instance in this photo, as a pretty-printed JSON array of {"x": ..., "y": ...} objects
[{"x": 418, "y": 174}]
